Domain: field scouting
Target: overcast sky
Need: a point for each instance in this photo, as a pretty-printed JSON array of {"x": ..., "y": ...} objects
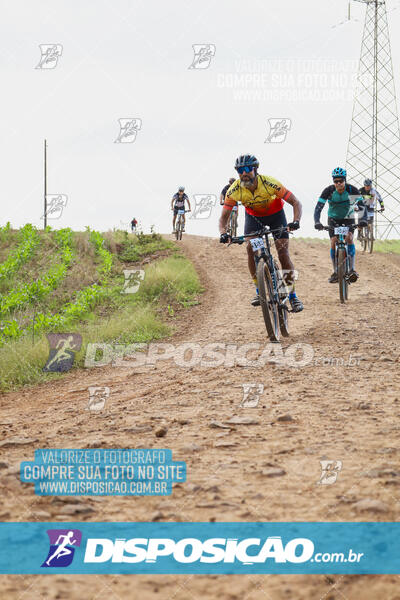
[{"x": 125, "y": 59}]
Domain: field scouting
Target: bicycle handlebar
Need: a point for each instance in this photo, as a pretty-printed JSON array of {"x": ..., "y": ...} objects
[
  {"x": 351, "y": 227},
  {"x": 264, "y": 231}
]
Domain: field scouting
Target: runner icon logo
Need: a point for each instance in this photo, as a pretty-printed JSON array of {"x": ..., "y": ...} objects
[
  {"x": 278, "y": 129},
  {"x": 62, "y": 351},
  {"x": 98, "y": 397},
  {"x": 203, "y": 205},
  {"x": 128, "y": 129},
  {"x": 251, "y": 394},
  {"x": 133, "y": 278},
  {"x": 61, "y": 551},
  {"x": 203, "y": 54},
  {"x": 55, "y": 204},
  {"x": 330, "y": 470},
  {"x": 50, "y": 54}
]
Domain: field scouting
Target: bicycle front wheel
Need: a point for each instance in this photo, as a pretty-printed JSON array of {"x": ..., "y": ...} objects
[
  {"x": 341, "y": 264},
  {"x": 267, "y": 300},
  {"x": 234, "y": 224},
  {"x": 283, "y": 299}
]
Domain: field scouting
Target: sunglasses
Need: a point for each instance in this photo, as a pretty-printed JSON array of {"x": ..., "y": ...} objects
[
  {"x": 241, "y": 170},
  {"x": 338, "y": 180}
]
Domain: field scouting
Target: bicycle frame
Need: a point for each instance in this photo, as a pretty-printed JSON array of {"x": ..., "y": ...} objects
[
  {"x": 265, "y": 254},
  {"x": 341, "y": 247},
  {"x": 341, "y": 243}
]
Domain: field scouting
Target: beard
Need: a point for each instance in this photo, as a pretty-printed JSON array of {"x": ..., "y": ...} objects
[{"x": 248, "y": 182}]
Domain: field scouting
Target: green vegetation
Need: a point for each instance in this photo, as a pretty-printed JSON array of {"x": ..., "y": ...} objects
[
  {"x": 79, "y": 290},
  {"x": 28, "y": 241},
  {"x": 37, "y": 290},
  {"x": 387, "y": 246},
  {"x": 133, "y": 248}
]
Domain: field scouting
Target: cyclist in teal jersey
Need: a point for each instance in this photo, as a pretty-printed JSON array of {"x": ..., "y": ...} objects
[{"x": 342, "y": 198}]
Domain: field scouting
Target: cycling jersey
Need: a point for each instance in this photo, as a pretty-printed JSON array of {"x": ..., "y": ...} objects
[
  {"x": 179, "y": 201},
  {"x": 370, "y": 198},
  {"x": 266, "y": 199},
  {"x": 341, "y": 206}
]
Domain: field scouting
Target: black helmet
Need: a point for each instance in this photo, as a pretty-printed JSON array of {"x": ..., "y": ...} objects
[
  {"x": 368, "y": 182},
  {"x": 246, "y": 160}
]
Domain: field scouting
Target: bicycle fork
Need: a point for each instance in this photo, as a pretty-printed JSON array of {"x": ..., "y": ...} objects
[{"x": 341, "y": 245}]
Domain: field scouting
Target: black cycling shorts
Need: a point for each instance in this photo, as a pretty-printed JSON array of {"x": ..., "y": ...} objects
[
  {"x": 332, "y": 223},
  {"x": 278, "y": 219},
  {"x": 176, "y": 208}
]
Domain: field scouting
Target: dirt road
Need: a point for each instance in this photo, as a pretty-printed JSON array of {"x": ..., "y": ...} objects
[{"x": 266, "y": 471}]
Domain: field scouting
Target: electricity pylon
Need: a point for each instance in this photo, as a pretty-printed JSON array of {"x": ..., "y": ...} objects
[{"x": 374, "y": 144}]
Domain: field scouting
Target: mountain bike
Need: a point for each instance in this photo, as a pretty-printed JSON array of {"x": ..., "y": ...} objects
[
  {"x": 273, "y": 292},
  {"x": 342, "y": 263},
  {"x": 232, "y": 224},
  {"x": 366, "y": 235},
  {"x": 179, "y": 223}
]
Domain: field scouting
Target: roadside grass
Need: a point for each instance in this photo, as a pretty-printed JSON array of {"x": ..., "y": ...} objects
[
  {"x": 386, "y": 246},
  {"x": 170, "y": 284},
  {"x": 132, "y": 247},
  {"x": 389, "y": 246}
]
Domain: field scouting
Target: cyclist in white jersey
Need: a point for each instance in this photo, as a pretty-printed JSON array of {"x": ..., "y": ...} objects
[{"x": 371, "y": 195}]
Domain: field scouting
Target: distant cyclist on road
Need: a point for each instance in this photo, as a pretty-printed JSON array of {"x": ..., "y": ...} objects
[
  {"x": 263, "y": 198},
  {"x": 178, "y": 203},
  {"x": 133, "y": 225},
  {"x": 371, "y": 195},
  {"x": 342, "y": 198}
]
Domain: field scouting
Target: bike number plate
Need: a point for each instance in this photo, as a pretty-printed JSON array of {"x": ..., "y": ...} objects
[
  {"x": 341, "y": 230},
  {"x": 181, "y": 212},
  {"x": 257, "y": 244}
]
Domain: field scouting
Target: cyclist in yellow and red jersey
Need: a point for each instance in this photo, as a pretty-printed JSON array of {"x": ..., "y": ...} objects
[{"x": 263, "y": 198}]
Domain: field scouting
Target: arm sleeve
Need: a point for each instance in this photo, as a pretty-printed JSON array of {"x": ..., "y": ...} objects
[
  {"x": 318, "y": 209},
  {"x": 325, "y": 195},
  {"x": 378, "y": 197}
]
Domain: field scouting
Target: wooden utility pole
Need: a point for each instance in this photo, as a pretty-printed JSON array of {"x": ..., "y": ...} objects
[{"x": 45, "y": 185}]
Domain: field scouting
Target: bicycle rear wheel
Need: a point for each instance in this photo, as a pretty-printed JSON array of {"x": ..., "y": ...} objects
[
  {"x": 343, "y": 285},
  {"x": 364, "y": 240},
  {"x": 267, "y": 300},
  {"x": 370, "y": 237}
]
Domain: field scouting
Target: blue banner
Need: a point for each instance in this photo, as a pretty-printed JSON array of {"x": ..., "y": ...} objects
[{"x": 200, "y": 548}]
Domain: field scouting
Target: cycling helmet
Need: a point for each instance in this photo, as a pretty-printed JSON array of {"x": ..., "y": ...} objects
[
  {"x": 181, "y": 188},
  {"x": 367, "y": 182},
  {"x": 232, "y": 180},
  {"x": 247, "y": 160},
  {"x": 339, "y": 172}
]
